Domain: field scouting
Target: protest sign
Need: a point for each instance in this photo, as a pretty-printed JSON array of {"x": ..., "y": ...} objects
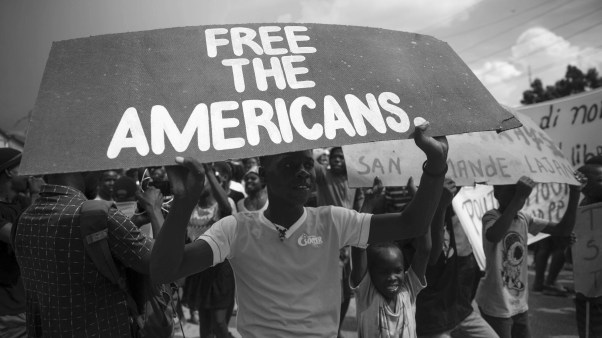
[
  {"x": 484, "y": 157},
  {"x": 547, "y": 201},
  {"x": 573, "y": 122},
  {"x": 230, "y": 91},
  {"x": 587, "y": 258}
]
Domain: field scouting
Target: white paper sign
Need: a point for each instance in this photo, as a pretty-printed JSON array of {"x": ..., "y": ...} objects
[
  {"x": 547, "y": 201},
  {"x": 574, "y": 123},
  {"x": 484, "y": 157},
  {"x": 587, "y": 258}
]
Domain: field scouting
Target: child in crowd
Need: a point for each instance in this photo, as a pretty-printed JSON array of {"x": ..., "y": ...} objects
[
  {"x": 502, "y": 293},
  {"x": 385, "y": 292},
  {"x": 592, "y": 193},
  {"x": 285, "y": 258}
]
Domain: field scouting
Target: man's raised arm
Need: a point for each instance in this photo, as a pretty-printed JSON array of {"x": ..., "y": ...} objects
[{"x": 171, "y": 259}]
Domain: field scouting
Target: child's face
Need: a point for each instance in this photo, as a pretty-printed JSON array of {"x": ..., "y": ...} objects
[
  {"x": 593, "y": 187},
  {"x": 386, "y": 272},
  {"x": 290, "y": 177}
]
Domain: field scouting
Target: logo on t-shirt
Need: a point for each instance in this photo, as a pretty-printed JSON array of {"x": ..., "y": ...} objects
[
  {"x": 513, "y": 255},
  {"x": 306, "y": 239}
]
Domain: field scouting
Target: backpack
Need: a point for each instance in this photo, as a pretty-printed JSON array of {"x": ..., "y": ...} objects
[{"x": 150, "y": 306}]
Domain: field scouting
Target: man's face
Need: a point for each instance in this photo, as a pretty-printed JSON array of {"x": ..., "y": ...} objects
[
  {"x": 337, "y": 162},
  {"x": 290, "y": 176},
  {"x": 593, "y": 187},
  {"x": 107, "y": 181},
  {"x": 386, "y": 272}
]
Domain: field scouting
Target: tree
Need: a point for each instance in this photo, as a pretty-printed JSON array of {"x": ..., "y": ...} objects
[{"x": 574, "y": 81}]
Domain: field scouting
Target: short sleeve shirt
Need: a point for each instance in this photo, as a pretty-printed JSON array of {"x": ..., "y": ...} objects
[
  {"x": 376, "y": 319},
  {"x": 289, "y": 287},
  {"x": 503, "y": 290}
]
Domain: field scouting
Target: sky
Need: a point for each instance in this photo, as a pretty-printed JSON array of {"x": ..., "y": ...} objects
[{"x": 505, "y": 42}]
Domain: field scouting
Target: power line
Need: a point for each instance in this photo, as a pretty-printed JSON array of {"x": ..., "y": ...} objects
[
  {"x": 524, "y": 42},
  {"x": 517, "y": 26},
  {"x": 448, "y": 18},
  {"x": 545, "y": 67},
  {"x": 511, "y": 16},
  {"x": 555, "y": 43}
]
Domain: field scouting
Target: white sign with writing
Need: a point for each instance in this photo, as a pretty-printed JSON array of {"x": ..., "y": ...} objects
[
  {"x": 573, "y": 122},
  {"x": 547, "y": 201},
  {"x": 483, "y": 157},
  {"x": 587, "y": 255}
]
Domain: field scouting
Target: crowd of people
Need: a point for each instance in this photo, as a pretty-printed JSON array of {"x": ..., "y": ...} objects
[{"x": 283, "y": 241}]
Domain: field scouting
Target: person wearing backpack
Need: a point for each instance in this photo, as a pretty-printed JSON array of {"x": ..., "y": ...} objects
[{"x": 66, "y": 293}]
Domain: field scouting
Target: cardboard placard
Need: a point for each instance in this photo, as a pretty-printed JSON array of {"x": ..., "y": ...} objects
[
  {"x": 233, "y": 91},
  {"x": 547, "y": 201},
  {"x": 587, "y": 255},
  {"x": 484, "y": 157},
  {"x": 573, "y": 122}
]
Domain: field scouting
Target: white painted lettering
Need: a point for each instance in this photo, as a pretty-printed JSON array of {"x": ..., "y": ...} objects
[
  {"x": 293, "y": 40},
  {"x": 219, "y": 124},
  {"x": 253, "y": 121},
  {"x": 130, "y": 123},
  {"x": 296, "y": 114},
  {"x": 212, "y": 42}
]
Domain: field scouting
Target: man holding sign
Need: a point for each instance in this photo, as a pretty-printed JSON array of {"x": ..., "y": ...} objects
[
  {"x": 285, "y": 259},
  {"x": 587, "y": 260}
]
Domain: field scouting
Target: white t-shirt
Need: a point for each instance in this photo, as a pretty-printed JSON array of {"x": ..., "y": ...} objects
[
  {"x": 375, "y": 317},
  {"x": 503, "y": 291},
  {"x": 290, "y": 287}
]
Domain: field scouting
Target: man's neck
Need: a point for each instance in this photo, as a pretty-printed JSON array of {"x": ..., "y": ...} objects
[{"x": 283, "y": 214}]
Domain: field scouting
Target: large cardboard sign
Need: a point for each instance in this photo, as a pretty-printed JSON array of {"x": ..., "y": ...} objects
[
  {"x": 232, "y": 91},
  {"x": 573, "y": 122},
  {"x": 587, "y": 255},
  {"x": 484, "y": 157},
  {"x": 547, "y": 201}
]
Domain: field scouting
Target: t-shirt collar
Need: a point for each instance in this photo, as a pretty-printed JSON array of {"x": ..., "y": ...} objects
[{"x": 289, "y": 231}]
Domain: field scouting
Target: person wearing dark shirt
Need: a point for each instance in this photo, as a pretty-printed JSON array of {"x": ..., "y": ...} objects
[
  {"x": 66, "y": 296},
  {"x": 12, "y": 293},
  {"x": 444, "y": 307}
]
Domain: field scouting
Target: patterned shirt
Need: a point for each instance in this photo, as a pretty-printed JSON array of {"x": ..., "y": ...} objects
[{"x": 66, "y": 295}]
